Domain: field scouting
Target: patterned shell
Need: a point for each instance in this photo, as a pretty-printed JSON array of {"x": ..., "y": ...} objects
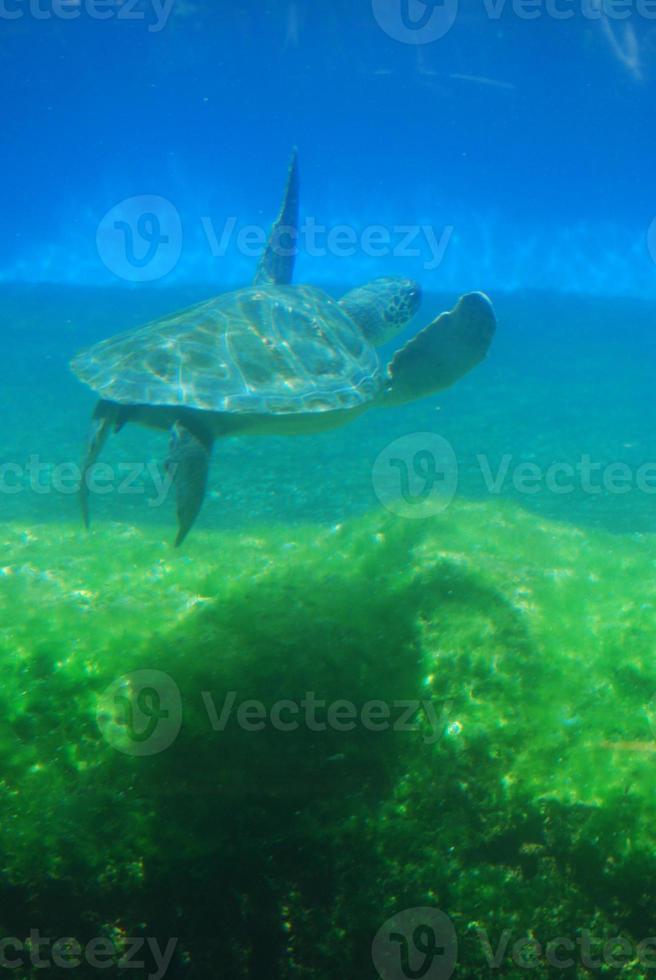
[{"x": 269, "y": 350}]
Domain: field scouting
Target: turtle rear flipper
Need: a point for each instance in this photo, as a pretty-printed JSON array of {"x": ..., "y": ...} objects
[
  {"x": 443, "y": 351},
  {"x": 189, "y": 461},
  {"x": 276, "y": 267},
  {"x": 103, "y": 418}
]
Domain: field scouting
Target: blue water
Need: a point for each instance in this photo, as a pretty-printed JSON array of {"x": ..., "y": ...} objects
[
  {"x": 484, "y": 145},
  {"x": 513, "y": 154},
  {"x": 531, "y": 138}
]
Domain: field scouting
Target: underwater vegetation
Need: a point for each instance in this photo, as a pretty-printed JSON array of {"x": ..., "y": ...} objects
[{"x": 519, "y": 796}]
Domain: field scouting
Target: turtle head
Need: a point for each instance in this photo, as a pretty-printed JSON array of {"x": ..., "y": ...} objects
[{"x": 382, "y": 307}]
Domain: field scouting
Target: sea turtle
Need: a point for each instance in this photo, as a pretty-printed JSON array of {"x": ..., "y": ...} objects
[{"x": 272, "y": 358}]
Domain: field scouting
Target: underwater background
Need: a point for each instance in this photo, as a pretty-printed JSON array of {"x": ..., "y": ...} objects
[{"x": 503, "y": 599}]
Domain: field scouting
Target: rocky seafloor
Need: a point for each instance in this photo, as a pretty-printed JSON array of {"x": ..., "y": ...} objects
[{"x": 518, "y": 795}]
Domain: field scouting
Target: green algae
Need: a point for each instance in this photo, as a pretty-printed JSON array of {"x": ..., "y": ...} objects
[{"x": 523, "y": 800}]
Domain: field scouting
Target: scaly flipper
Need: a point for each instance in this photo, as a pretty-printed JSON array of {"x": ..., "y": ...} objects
[
  {"x": 103, "y": 418},
  {"x": 276, "y": 267},
  {"x": 442, "y": 352},
  {"x": 189, "y": 461}
]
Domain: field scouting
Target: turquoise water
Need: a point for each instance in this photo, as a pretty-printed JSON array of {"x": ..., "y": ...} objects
[
  {"x": 568, "y": 377},
  {"x": 390, "y": 710}
]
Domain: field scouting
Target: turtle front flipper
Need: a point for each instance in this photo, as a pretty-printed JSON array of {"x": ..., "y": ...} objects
[
  {"x": 103, "y": 418},
  {"x": 442, "y": 352},
  {"x": 189, "y": 462},
  {"x": 276, "y": 267}
]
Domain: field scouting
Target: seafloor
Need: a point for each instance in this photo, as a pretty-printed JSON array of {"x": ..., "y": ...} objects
[{"x": 521, "y": 801}]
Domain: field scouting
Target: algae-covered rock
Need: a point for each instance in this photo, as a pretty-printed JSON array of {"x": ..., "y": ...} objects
[{"x": 267, "y": 746}]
